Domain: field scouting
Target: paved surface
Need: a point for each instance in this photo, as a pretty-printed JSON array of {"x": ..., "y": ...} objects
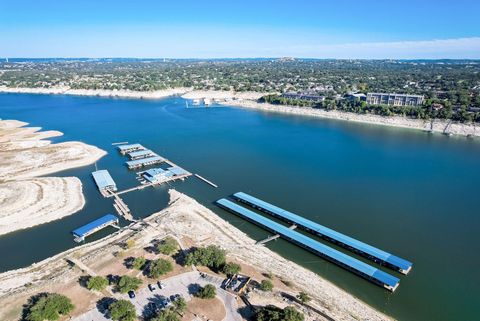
[{"x": 180, "y": 284}]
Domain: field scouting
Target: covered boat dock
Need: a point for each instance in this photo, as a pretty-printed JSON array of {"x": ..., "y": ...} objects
[
  {"x": 358, "y": 267},
  {"x": 125, "y": 149},
  {"x": 372, "y": 253},
  {"x": 94, "y": 226},
  {"x": 104, "y": 181}
]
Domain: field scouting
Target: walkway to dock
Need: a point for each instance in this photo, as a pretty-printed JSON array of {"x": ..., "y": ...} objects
[
  {"x": 273, "y": 237},
  {"x": 139, "y": 187},
  {"x": 206, "y": 180}
]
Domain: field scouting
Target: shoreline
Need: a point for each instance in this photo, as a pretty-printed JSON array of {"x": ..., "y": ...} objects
[
  {"x": 248, "y": 100},
  {"x": 27, "y": 200},
  {"x": 192, "y": 222}
]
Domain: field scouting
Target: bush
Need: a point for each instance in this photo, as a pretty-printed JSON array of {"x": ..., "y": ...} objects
[
  {"x": 303, "y": 297},
  {"x": 130, "y": 243},
  {"x": 266, "y": 285},
  {"x": 207, "y": 292},
  {"x": 180, "y": 305},
  {"x": 231, "y": 268},
  {"x": 168, "y": 246},
  {"x": 122, "y": 310},
  {"x": 159, "y": 267},
  {"x": 211, "y": 256},
  {"x": 49, "y": 306},
  {"x": 139, "y": 263},
  {"x": 97, "y": 283},
  {"x": 166, "y": 315},
  {"x": 128, "y": 283},
  {"x": 272, "y": 313}
]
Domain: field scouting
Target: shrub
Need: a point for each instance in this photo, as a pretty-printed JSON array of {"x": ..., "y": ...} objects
[
  {"x": 168, "y": 246},
  {"x": 231, "y": 268},
  {"x": 166, "y": 315},
  {"x": 266, "y": 285},
  {"x": 303, "y": 297},
  {"x": 128, "y": 283},
  {"x": 97, "y": 283},
  {"x": 273, "y": 313},
  {"x": 49, "y": 306},
  {"x": 207, "y": 292},
  {"x": 159, "y": 267},
  {"x": 139, "y": 263},
  {"x": 122, "y": 310}
]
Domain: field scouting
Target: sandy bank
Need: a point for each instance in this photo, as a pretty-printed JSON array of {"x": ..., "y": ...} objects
[
  {"x": 436, "y": 126},
  {"x": 24, "y": 152},
  {"x": 97, "y": 92},
  {"x": 186, "y": 219},
  {"x": 37, "y": 201}
]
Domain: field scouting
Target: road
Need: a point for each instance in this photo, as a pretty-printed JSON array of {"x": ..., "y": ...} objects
[{"x": 179, "y": 284}]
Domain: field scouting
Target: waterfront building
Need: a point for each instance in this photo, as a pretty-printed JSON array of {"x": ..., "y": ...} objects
[{"x": 394, "y": 99}]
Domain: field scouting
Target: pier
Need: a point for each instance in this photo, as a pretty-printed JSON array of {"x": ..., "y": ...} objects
[
  {"x": 273, "y": 237},
  {"x": 122, "y": 208},
  {"x": 125, "y": 149},
  {"x": 372, "y": 253},
  {"x": 88, "y": 229},
  {"x": 349, "y": 263},
  {"x": 206, "y": 180}
]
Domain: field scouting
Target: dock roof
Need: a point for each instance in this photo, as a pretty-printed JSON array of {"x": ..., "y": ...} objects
[
  {"x": 177, "y": 170},
  {"x": 103, "y": 179},
  {"x": 141, "y": 161},
  {"x": 130, "y": 146},
  {"x": 140, "y": 153},
  {"x": 83, "y": 230},
  {"x": 349, "y": 241},
  {"x": 357, "y": 265}
]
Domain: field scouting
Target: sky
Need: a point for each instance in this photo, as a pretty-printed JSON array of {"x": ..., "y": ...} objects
[{"x": 420, "y": 29}]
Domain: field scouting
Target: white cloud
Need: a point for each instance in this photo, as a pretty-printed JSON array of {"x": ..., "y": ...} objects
[{"x": 461, "y": 48}]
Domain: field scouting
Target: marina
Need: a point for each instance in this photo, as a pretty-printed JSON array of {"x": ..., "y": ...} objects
[
  {"x": 134, "y": 164},
  {"x": 88, "y": 229},
  {"x": 372, "y": 253},
  {"x": 141, "y": 154},
  {"x": 347, "y": 262}
]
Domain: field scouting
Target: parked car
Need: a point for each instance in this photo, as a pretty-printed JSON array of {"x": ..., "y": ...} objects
[
  {"x": 131, "y": 294},
  {"x": 161, "y": 285},
  {"x": 151, "y": 287}
]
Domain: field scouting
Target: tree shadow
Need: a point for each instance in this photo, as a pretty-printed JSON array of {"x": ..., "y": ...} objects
[
  {"x": 103, "y": 304},
  {"x": 83, "y": 280},
  {"x": 193, "y": 288},
  {"x": 128, "y": 262},
  {"x": 246, "y": 312}
]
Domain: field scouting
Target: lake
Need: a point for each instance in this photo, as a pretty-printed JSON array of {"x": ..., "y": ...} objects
[{"x": 408, "y": 192}]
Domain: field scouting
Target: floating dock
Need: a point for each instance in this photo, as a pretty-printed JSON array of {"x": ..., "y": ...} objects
[
  {"x": 358, "y": 267},
  {"x": 125, "y": 149},
  {"x": 141, "y": 154},
  {"x": 145, "y": 162},
  {"x": 206, "y": 180},
  {"x": 104, "y": 181},
  {"x": 94, "y": 226},
  {"x": 372, "y": 253}
]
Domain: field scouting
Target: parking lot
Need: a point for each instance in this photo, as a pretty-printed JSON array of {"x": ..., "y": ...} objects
[{"x": 184, "y": 284}]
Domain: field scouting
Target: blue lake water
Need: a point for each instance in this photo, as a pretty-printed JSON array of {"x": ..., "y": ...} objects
[{"x": 407, "y": 192}]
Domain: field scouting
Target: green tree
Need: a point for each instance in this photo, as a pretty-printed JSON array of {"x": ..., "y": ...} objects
[
  {"x": 273, "y": 313},
  {"x": 49, "y": 306},
  {"x": 168, "y": 246},
  {"x": 159, "y": 267},
  {"x": 266, "y": 285},
  {"x": 211, "y": 256},
  {"x": 122, "y": 310},
  {"x": 128, "y": 283},
  {"x": 139, "y": 263},
  {"x": 231, "y": 268},
  {"x": 303, "y": 297},
  {"x": 166, "y": 315},
  {"x": 207, "y": 292},
  {"x": 97, "y": 283},
  {"x": 180, "y": 305}
]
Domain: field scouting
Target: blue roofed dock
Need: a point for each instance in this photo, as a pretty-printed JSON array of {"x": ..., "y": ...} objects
[
  {"x": 370, "y": 252},
  {"x": 347, "y": 262},
  {"x": 94, "y": 226},
  {"x": 145, "y": 162},
  {"x": 125, "y": 149}
]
